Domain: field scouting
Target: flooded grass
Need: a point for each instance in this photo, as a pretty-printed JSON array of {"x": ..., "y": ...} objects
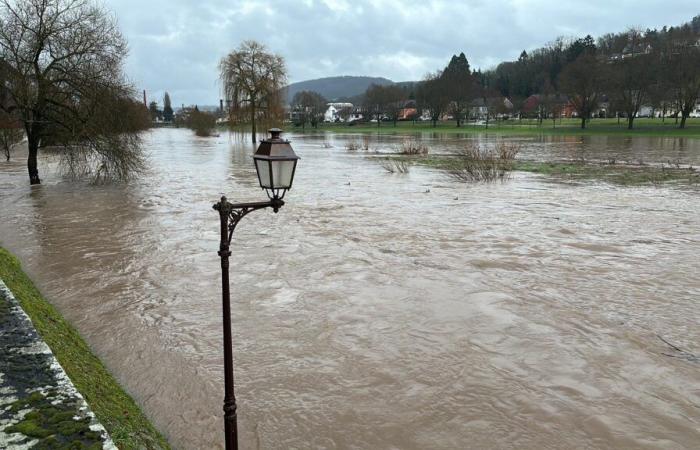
[
  {"x": 120, "y": 415},
  {"x": 566, "y": 127},
  {"x": 621, "y": 174}
]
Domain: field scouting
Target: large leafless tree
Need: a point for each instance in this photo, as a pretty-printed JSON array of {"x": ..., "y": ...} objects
[
  {"x": 682, "y": 63},
  {"x": 628, "y": 82},
  {"x": 253, "y": 80},
  {"x": 309, "y": 106},
  {"x": 581, "y": 81},
  {"x": 61, "y": 69},
  {"x": 433, "y": 96}
]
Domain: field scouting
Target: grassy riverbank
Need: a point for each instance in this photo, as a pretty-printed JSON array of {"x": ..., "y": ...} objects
[
  {"x": 621, "y": 174},
  {"x": 120, "y": 415},
  {"x": 596, "y": 127}
]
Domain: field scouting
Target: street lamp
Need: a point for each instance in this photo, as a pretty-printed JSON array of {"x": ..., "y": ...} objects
[{"x": 275, "y": 163}]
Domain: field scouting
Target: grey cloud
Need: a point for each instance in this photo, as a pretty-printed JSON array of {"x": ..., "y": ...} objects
[{"x": 176, "y": 44}]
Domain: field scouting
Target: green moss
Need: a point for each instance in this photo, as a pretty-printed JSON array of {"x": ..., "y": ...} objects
[
  {"x": 114, "y": 408},
  {"x": 29, "y": 428}
]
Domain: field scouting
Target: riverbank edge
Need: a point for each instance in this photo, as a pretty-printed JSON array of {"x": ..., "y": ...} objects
[
  {"x": 597, "y": 127},
  {"x": 114, "y": 408}
]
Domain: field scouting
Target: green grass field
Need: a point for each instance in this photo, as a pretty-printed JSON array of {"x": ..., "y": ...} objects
[
  {"x": 596, "y": 127},
  {"x": 115, "y": 409}
]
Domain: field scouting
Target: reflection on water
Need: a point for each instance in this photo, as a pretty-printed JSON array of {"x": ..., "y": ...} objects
[{"x": 383, "y": 311}]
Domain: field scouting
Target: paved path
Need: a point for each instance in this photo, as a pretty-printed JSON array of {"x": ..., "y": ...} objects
[{"x": 39, "y": 406}]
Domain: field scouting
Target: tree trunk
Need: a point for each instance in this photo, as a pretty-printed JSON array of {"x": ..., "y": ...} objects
[
  {"x": 630, "y": 121},
  {"x": 683, "y": 117},
  {"x": 583, "y": 122},
  {"x": 33, "y": 144},
  {"x": 252, "y": 119}
]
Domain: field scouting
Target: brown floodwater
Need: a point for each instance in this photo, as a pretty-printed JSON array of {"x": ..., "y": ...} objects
[{"x": 381, "y": 311}]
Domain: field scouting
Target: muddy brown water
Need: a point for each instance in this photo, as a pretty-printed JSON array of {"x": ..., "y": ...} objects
[{"x": 380, "y": 311}]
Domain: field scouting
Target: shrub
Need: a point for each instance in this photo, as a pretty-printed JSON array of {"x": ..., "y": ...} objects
[
  {"x": 352, "y": 146},
  {"x": 202, "y": 123},
  {"x": 395, "y": 165},
  {"x": 413, "y": 147},
  {"x": 476, "y": 163},
  {"x": 365, "y": 143}
]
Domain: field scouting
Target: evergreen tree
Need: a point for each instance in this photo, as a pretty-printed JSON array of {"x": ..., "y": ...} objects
[{"x": 167, "y": 108}]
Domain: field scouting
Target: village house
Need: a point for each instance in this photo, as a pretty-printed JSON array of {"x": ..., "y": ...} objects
[{"x": 333, "y": 113}]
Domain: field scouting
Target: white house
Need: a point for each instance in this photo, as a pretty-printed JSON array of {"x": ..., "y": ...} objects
[
  {"x": 696, "y": 111},
  {"x": 332, "y": 114}
]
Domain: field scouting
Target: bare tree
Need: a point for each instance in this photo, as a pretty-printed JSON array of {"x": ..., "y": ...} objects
[
  {"x": 432, "y": 96},
  {"x": 10, "y": 134},
  {"x": 309, "y": 107},
  {"x": 629, "y": 81},
  {"x": 62, "y": 69},
  {"x": 375, "y": 102},
  {"x": 581, "y": 81},
  {"x": 253, "y": 80},
  {"x": 682, "y": 64}
]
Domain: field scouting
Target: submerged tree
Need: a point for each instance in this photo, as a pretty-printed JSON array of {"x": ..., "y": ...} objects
[
  {"x": 62, "y": 76},
  {"x": 10, "y": 134},
  {"x": 253, "y": 80},
  {"x": 201, "y": 122}
]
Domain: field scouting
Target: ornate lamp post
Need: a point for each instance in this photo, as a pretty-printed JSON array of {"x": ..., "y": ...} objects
[{"x": 275, "y": 163}]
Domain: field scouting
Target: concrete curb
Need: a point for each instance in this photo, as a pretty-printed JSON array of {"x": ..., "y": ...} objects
[{"x": 29, "y": 370}]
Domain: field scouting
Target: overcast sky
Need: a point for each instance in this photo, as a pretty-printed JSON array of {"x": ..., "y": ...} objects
[{"x": 175, "y": 45}]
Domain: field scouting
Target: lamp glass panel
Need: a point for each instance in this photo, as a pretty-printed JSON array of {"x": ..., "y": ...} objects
[
  {"x": 282, "y": 173},
  {"x": 263, "y": 168}
]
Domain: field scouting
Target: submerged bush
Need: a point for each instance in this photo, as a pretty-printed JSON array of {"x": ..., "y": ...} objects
[
  {"x": 395, "y": 165},
  {"x": 476, "y": 163},
  {"x": 413, "y": 147},
  {"x": 202, "y": 123},
  {"x": 365, "y": 143},
  {"x": 352, "y": 146}
]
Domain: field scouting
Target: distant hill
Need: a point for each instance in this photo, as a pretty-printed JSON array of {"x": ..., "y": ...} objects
[{"x": 334, "y": 88}]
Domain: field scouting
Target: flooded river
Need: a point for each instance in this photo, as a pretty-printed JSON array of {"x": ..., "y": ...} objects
[{"x": 381, "y": 311}]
